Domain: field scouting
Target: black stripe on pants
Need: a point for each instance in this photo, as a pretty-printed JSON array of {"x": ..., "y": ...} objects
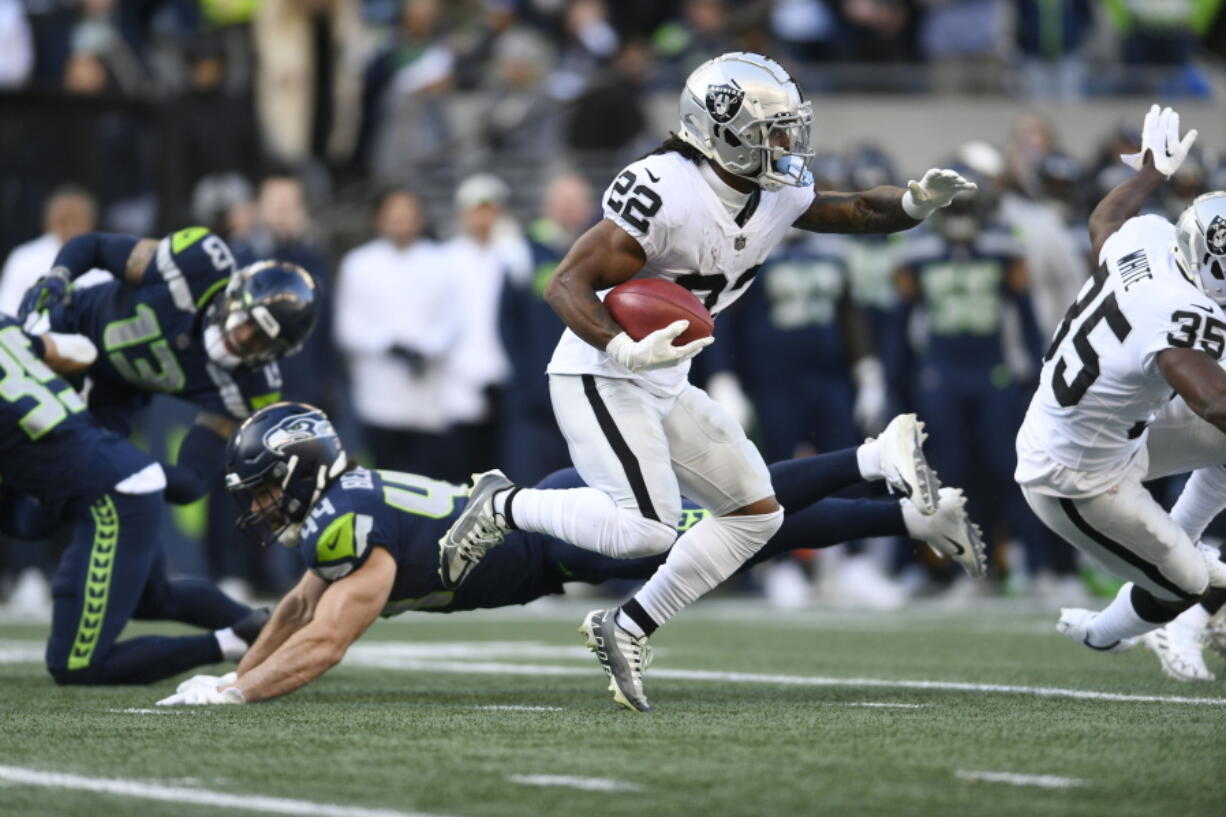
[
  {"x": 630, "y": 463},
  {"x": 1149, "y": 569}
]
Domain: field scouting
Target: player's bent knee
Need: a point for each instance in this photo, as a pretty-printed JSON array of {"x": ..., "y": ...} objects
[
  {"x": 87, "y": 676},
  {"x": 641, "y": 537}
]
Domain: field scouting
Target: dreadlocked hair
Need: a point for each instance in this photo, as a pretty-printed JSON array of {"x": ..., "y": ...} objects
[{"x": 675, "y": 144}]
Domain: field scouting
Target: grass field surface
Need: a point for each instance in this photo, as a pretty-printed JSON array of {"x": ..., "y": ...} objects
[{"x": 504, "y": 714}]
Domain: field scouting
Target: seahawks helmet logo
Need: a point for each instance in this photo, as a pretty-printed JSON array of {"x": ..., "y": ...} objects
[
  {"x": 724, "y": 101},
  {"x": 1215, "y": 236},
  {"x": 296, "y": 429}
]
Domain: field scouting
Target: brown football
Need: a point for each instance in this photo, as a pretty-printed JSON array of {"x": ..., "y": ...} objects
[{"x": 643, "y": 305}]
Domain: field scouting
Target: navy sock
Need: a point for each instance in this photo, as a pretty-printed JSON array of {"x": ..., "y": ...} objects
[
  {"x": 831, "y": 522},
  {"x": 801, "y": 482}
]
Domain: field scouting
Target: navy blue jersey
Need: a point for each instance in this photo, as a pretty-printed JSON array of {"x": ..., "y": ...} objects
[
  {"x": 50, "y": 446},
  {"x": 963, "y": 291},
  {"x": 788, "y": 325},
  {"x": 406, "y": 515},
  {"x": 150, "y": 337}
]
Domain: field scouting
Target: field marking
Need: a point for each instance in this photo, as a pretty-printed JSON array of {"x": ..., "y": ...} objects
[
  {"x": 515, "y": 708},
  {"x": 886, "y": 705},
  {"x": 371, "y": 658},
  {"x": 1043, "y": 781},
  {"x": 134, "y": 711},
  {"x": 567, "y": 781},
  {"x": 192, "y": 796}
]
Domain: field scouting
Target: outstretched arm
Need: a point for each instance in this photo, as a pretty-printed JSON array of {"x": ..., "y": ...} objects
[
  {"x": 123, "y": 256},
  {"x": 883, "y": 209},
  {"x": 345, "y": 610},
  {"x": 1122, "y": 203},
  {"x": 294, "y": 612}
]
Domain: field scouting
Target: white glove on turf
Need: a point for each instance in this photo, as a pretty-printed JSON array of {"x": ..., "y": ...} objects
[
  {"x": 207, "y": 680},
  {"x": 204, "y": 694},
  {"x": 656, "y": 350},
  {"x": 934, "y": 191},
  {"x": 1160, "y": 138}
]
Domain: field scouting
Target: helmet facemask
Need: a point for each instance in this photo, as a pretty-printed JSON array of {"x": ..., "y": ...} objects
[{"x": 1200, "y": 244}]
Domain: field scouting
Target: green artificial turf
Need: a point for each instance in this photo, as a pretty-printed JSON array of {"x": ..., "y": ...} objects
[{"x": 413, "y": 736}]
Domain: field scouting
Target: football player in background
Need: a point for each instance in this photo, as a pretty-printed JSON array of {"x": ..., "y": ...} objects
[
  {"x": 1102, "y": 420},
  {"x": 182, "y": 319},
  {"x": 113, "y": 570},
  {"x": 704, "y": 211},
  {"x": 370, "y": 542},
  {"x": 965, "y": 275}
]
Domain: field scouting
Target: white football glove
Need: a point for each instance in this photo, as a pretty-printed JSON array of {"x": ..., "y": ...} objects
[
  {"x": 204, "y": 694},
  {"x": 869, "y": 410},
  {"x": 1160, "y": 138},
  {"x": 934, "y": 191},
  {"x": 656, "y": 350},
  {"x": 207, "y": 680}
]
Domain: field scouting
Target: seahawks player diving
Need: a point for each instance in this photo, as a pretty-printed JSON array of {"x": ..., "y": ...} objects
[
  {"x": 370, "y": 542},
  {"x": 113, "y": 569},
  {"x": 182, "y": 319}
]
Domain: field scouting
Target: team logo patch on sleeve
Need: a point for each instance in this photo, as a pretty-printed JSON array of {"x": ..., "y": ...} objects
[
  {"x": 724, "y": 101},
  {"x": 1215, "y": 236}
]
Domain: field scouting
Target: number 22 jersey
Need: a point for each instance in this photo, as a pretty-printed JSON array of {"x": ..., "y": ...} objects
[
  {"x": 664, "y": 203},
  {"x": 1100, "y": 385}
]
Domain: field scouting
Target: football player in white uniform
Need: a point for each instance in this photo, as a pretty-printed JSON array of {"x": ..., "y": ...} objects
[
  {"x": 703, "y": 211},
  {"x": 1103, "y": 419}
]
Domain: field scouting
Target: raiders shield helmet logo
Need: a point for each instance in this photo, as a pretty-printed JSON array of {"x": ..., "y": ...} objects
[
  {"x": 738, "y": 243},
  {"x": 724, "y": 101},
  {"x": 1215, "y": 236}
]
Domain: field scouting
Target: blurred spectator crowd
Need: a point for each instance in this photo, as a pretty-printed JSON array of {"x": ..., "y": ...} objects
[{"x": 329, "y": 133}]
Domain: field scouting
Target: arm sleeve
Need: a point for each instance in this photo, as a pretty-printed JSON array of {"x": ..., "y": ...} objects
[
  {"x": 96, "y": 251},
  {"x": 199, "y": 463}
]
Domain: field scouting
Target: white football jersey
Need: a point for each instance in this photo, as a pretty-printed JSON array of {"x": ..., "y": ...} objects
[
  {"x": 1100, "y": 385},
  {"x": 689, "y": 238}
]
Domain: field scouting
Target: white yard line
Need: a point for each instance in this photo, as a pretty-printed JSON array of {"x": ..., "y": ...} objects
[
  {"x": 147, "y": 711},
  {"x": 1043, "y": 781},
  {"x": 512, "y": 708},
  {"x": 887, "y": 705},
  {"x": 192, "y": 796},
  {"x": 372, "y": 658},
  {"x": 569, "y": 782}
]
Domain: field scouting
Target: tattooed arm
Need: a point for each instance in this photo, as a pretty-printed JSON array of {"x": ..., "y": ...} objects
[
  {"x": 874, "y": 211},
  {"x": 604, "y": 256}
]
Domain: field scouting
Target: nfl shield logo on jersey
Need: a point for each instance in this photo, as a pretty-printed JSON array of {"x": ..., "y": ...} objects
[
  {"x": 738, "y": 243},
  {"x": 723, "y": 101},
  {"x": 1215, "y": 236}
]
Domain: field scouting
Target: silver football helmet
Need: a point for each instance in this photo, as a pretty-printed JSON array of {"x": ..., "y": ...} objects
[
  {"x": 744, "y": 112},
  {"x": 1200, "y": 243}
]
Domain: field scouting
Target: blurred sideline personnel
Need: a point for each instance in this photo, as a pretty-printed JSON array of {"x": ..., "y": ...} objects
[
  {"x": 69, "y": 212},
  {"x": 532, "y": 445},
  {"x": 963, "y": 275},
  {"x": 179, "y": 318},
  {"x": 1103, "y": 421},
  {"x": 704, "y": 210},
  {"x": 399, "y": 312},
  {"x": 114, "y": 569},
  {"x": 370, "y": 542}
]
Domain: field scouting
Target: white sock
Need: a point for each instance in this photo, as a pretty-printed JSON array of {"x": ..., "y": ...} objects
[
  {"x": 589, "y": 519},
  {"x": 1195, "y": 617},
  {"x": 1201, "y": 500},
  {"x": 868, "y": 457},
  {"x": 702, "y": 558},
  {"x": 1118, "y": 621},
  {"x": 232, "y": 647}
]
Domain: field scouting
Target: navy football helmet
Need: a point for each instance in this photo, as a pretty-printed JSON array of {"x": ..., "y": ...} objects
[
  {"x": 278, "y": 464},
  {"x": 267, "y": 312}
]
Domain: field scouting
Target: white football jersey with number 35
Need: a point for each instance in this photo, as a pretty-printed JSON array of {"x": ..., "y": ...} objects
[
  {"x": 689, "y": 238},
  {"x": 1100, "y": 385}
]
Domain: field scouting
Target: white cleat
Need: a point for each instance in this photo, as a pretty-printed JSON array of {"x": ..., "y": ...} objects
[
  {"x": 901, "y": 448},
  {"x": 477, "y": 529},
  {"x": 950, "y": 532},
  {"x": 1181, "y": 651},
  {"x": 623, "y": 657},
  {"x": 1074, "y": 624}
]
